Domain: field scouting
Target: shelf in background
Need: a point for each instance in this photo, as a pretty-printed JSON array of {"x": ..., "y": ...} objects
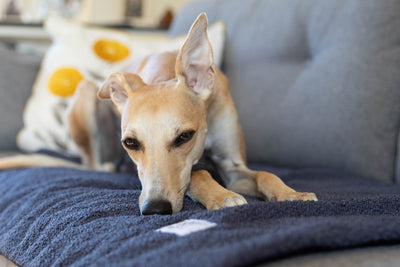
[
  {"x": 23, "y": 32},
  {"x": 36, "y": 32}
]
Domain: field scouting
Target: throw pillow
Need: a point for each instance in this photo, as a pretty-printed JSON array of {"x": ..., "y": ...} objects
[{"x": 81, "y": 52}]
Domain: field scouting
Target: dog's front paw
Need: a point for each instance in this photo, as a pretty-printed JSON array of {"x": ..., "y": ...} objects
[
  {"x": 304, "y": 196},
  {"x": 272, "y": 188},
  {"x": 230, "y": 199}
]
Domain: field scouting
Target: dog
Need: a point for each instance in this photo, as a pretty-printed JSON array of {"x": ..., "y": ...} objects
[{"x": 172, "y": 107}]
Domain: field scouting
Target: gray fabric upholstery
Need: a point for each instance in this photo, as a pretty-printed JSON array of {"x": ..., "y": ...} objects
[
  {"x": 10, "y": 153},
  {"x": 397, "y": 161},
  {"x": 316, "y": 83},
  {"x": 379, "y": 256},
  {"x": 17, "y": 75}
]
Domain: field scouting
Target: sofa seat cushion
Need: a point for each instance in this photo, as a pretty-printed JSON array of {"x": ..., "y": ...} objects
[
  {"x": 51, "y": 216},
  {"x": 316, "y": 83}
]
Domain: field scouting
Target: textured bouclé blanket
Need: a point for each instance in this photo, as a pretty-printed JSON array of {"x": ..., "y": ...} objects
[{"x": 54, "y": 216}]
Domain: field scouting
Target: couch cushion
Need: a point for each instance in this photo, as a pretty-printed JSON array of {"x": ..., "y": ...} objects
[
  {"x": 316, "y": 83},
  {"x": 65, "y": 217},
  {"x": 17, "y": 74}
]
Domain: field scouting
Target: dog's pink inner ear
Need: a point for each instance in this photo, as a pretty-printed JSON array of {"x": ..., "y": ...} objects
[
  {"x": 115, "y": 87},
  {"x": 118, "y": 94},
  {"x": 118, "y": 85},
  {"x": 199, "y": 78},
  {"x": 195, "y": 60}
]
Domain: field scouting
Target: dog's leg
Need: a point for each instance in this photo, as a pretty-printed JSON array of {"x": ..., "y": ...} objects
[
  {"x": 83, "y": 126},
  {"x": 240, "y": 179},
  {"x": 228, "y": 153},
  {"x": 263, "y": 184},
  {"x": 204, "y": 189}
]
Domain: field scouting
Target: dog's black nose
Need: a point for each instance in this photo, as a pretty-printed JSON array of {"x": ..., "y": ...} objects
[{"x": 162, "y": 207}]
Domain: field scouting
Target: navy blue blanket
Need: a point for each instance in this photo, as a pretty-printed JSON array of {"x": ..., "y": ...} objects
[{"x": 51, "y": 216}]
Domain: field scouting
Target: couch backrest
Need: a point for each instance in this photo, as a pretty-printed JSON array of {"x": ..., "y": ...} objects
[
  {"x": 17, "y": 74},
  {"x": 316, "y": 83}
]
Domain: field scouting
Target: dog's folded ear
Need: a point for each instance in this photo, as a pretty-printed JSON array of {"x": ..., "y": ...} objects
[
  {"x": 117, "y": 87},
  {"x": 194, "y": 64}
]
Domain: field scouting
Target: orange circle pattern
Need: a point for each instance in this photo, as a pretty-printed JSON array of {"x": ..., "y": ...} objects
[
  {"x": 63, "y": 82},
  {"x": 110, "y": 50}
]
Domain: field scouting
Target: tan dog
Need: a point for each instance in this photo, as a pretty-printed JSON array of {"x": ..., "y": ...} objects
[{"x": 173, "y": 108}]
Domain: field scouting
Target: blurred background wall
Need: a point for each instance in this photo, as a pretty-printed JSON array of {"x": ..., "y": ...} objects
[{"x": 137, "y": 13}]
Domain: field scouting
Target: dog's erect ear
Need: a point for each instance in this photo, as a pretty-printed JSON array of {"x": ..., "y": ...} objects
[
  {"x": 118, "y": 85},
  {"x": 194, "y": 64}
]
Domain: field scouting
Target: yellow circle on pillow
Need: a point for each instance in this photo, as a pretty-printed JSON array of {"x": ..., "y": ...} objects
[
  {"x": 111, "y": 50},
  {"x": 64, "y": 81}
]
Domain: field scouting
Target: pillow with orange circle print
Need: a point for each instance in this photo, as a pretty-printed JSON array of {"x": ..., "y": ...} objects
[
  {"x": 80, "y": 52},
  {"x": 64, "y": 81}
]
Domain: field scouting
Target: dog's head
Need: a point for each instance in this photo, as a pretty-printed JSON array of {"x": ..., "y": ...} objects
[{"x": 164, "y": 124}]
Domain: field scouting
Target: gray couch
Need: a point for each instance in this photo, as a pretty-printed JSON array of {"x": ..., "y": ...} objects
[
  {"x": 317, "y": 81},
  {"x": 323, "y": 80},
  {"x": 17, "y": 75},
  {"x": 316, "y": 85}
]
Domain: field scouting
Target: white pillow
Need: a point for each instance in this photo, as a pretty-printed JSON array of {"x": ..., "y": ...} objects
[{"x": 82, "y": 52}]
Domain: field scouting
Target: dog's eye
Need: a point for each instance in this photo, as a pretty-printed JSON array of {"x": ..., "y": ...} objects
[
  {"x": 131, "y": 143},
  {"x": 183, "y": 138}
]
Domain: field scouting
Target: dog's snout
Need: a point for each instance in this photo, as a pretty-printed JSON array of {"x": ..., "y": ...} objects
[{"x": 161, "y": 207}]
